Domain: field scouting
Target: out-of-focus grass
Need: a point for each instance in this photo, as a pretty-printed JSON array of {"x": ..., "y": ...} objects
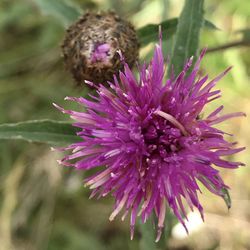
[{"x": 46, "y": 207}]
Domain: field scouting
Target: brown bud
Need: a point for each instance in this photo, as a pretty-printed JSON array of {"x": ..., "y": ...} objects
[{"x": 91, "y": 44}]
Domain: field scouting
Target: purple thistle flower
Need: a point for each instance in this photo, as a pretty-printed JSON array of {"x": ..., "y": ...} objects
[{"x": 151, "y": 142}]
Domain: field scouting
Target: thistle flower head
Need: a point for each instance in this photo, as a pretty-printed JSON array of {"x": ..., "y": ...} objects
[
  {"x": 90, "y": 46},
  {"x": 151, "y": 141}
]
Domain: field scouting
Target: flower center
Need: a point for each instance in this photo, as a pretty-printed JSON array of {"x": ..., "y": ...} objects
[
  {"x": 163, "y": 137},
  {"x": 171, "y": 119}
]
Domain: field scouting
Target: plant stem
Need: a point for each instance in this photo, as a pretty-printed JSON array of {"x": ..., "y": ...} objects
[
  {"x": 147, "y": 236},
  {"x": 229, "y": 46}
]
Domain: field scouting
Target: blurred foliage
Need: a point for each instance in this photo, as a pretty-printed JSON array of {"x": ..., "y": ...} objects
[
  {"x": 43, "y": 206},
  {"x": 64, "y": 11}
]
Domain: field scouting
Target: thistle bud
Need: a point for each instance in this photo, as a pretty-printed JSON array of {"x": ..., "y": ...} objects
[{"x": 91, "y": 44}]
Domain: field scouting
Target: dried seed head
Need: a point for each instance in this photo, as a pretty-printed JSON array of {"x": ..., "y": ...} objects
[{"x": 91, "y": 44}]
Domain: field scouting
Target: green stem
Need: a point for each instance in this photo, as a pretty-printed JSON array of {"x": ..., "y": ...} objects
[
  {"x": 229, "y": 46},
  {"x": 147, "y": 236},
  {"x": 186, "y": 45},
  {"x": 149, "y": 232}
]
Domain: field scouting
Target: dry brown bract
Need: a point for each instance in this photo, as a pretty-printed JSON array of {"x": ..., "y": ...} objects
[{"x": 96, "y": 29}]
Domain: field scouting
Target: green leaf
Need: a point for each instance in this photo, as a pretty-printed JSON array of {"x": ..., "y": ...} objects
[
  {"x": 63, "y": 10},
  {"x": 149, "y": 33},
  {"x": 187, "y": 34},
  {"x": 226, "y": 197},
  {"x": 45, "y": 131}
]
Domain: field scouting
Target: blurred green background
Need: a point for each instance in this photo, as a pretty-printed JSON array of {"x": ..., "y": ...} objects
[{"x": 44, "y": 206}]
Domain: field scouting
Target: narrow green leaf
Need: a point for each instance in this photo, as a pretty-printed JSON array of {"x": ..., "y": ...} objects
[
  {"x": 149, "y": 33},
  {"x": 45, "y": 131},
  {"x": 63, "y": 10},
  {"x": 187, "y": 34}
]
